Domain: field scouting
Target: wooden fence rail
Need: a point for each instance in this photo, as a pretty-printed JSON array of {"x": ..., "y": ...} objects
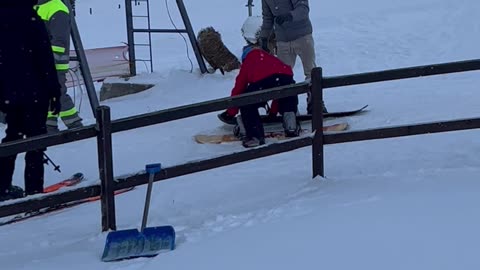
[
  {"x": 319, "y": 82},
  {"x": 104, "y": 128},
  {"x": 165, "y": 174},
  {"x": 401, "y": 73}
]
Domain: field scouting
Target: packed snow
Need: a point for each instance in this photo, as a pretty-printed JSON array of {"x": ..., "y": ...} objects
[{"x": 403, "y": 203}]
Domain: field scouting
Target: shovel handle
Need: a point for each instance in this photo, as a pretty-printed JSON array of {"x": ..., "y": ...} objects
[{"x": 151, "y": 170}]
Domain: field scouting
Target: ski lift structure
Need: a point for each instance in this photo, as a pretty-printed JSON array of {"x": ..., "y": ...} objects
[
  {"x": 131, "y": 30},
  {"x": 121, "y": 60}
]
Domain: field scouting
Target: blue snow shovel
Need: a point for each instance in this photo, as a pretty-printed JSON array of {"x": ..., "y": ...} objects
[{"x": 148, "y": 242}]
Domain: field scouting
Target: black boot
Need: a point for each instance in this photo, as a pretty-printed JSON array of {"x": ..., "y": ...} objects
[
  {"x": 253, "y": 142},
  {"x": 34, "y": 172},
  {"x": 51, "y": 129},
  {"x": 13, "y": 192},
  {"x": 76, "y": 124},
  {"x": 324, "y": 109},
  {"x": 310, "y": 109},
  {"x": 291, "y": 125}
]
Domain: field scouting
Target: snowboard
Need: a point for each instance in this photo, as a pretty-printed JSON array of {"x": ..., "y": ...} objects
[
  {"x": 72, "y": 181},
  {"x": 278, "y": 135},
  {"x": 303, "y": 117}
]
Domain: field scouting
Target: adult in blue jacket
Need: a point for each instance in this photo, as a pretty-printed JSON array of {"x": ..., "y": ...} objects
[{"x": 28, "y": 87}]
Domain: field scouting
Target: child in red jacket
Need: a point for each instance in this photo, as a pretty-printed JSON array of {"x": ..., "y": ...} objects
[{"x": 261, "y": 70}]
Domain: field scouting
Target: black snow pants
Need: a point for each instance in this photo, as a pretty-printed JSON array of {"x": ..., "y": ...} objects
[
  {"x": 250, "y": 116},
  {"x": 23, "y": 122}
]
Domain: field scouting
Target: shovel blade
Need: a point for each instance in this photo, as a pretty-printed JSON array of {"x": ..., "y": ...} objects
[{"x": 127, "y": 244}]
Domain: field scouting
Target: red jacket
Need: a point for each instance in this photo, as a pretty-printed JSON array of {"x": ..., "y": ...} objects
[{"x": 257, "y": 66}]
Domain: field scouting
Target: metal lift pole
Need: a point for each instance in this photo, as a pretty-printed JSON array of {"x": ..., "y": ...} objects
[
  {"x": 130, "y": 37},
  {"x": 193, "y": 39},
  {"x": 82, "y": 58}
]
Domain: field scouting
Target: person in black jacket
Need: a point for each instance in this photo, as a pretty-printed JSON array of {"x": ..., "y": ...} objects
[{"x": 28, "y": 88}]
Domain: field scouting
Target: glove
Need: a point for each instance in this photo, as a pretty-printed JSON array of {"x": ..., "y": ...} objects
[
  {"x": 280, "y": 19},
  {"x": 226, "y": 118},
  {"x": 264, "y": 44},
  {"x": 55, "y": 105}
]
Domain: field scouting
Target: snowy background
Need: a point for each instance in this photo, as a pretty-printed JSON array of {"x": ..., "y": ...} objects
[{"x": 405, "y": 203}]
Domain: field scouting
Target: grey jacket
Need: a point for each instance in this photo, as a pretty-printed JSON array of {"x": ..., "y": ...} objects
[{"x": 300, "y": 25}]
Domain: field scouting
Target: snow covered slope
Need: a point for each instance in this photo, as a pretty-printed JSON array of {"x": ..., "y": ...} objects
[{"x": 407, "y": 203}]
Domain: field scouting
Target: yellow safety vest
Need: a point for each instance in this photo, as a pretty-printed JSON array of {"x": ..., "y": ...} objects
[{"x": 46, "y": 11}]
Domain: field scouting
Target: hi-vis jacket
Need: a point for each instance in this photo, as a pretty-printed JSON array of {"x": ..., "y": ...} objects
[{"x": 56, "y": 16}]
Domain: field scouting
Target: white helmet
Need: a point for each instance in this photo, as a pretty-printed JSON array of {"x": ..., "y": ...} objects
[{"x": 251, "y": 29}]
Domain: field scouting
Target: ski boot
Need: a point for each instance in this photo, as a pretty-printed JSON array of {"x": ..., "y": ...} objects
[
  {"x": 291, "y": 125},
  {"x": 13, "y": 192},
  {"x": 310, "y": 109},
  {"x": 252, "y": 142}
]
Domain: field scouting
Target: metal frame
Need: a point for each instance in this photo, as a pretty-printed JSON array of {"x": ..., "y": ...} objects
[
  {"x": 82, "y": 59},
  {"x": 131, "y": 30}
]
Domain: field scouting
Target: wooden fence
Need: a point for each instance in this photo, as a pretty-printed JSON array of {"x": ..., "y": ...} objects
[{"x": 104, "y": 128}]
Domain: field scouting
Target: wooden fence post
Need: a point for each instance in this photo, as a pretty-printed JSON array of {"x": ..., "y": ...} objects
[
  {"x": 317, "y": 122},
  {"x": 105, "y": 164}
]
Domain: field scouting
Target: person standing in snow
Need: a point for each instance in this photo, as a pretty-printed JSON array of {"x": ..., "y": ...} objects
[
  {"x": 2, "y": 118},
  {"x": 56, "y": 16},
  {"x": 28, "y": 86},
  {"x": 261, "y": 70},
  {"x": 290, "y": 21}
]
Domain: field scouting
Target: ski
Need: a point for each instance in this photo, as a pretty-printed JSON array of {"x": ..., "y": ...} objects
[
  {"x": 303, "y": 117},
  {"x": 278, "y": 135},
  {"x": 47, "y": 210},
  {"x": 52, "y": 209},
  {"x": 73, "y": 180},
  {"x": 69, "y": 182}
]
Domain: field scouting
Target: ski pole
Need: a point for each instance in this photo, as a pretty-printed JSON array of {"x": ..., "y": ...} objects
[{"x": 48, "y": 160}]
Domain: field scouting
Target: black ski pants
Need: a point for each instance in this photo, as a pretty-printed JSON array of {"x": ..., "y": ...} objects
[
  {"x": 250, "y": 116},
  {"x": 23, "y": 122}
]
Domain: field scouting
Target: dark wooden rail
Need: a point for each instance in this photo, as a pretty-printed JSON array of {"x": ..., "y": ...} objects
[{"x": 105, "y": 127}]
